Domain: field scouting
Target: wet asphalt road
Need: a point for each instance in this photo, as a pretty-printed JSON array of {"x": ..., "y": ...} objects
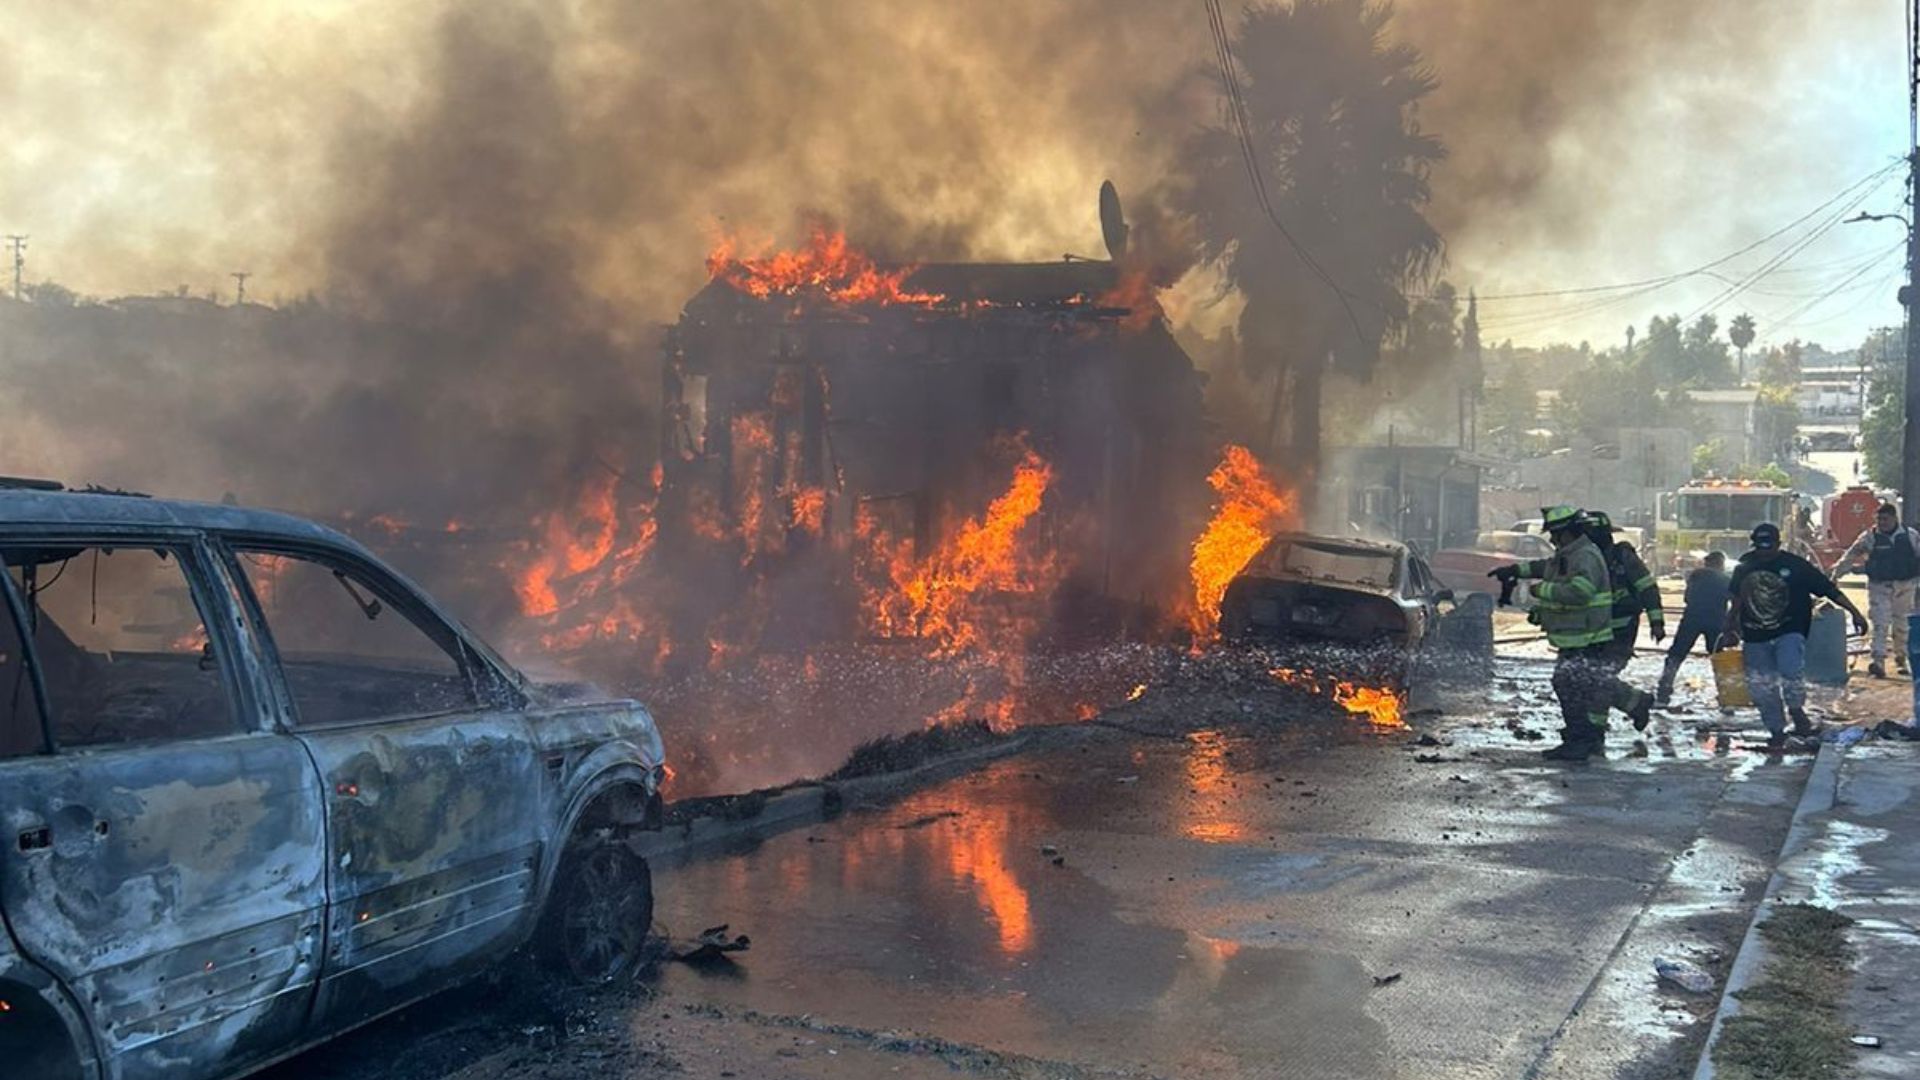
[{"x": 1246, "y": 885}]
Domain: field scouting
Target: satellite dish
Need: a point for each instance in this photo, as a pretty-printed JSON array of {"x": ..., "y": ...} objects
[{"x": 1113, "y": 226}]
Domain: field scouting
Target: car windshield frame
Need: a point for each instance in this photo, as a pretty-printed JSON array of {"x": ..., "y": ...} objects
[
  {"x": 1274, "y": 560},
  {"x": 492, "y": 683}
]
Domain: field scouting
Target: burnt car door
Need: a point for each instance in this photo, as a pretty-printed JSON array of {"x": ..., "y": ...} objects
[
  {"x": 1422, "y": 592},
  {"x": 163, "y": 850},
  {"x": 435, "y": 803}
]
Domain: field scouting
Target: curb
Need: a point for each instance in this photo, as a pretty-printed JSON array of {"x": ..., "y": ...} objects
[
  {"x": 1823, "y": 785},
  {"x": 812, "y": 801}
]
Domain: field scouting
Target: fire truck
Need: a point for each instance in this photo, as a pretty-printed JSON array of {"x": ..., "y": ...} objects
[
  {"x": 1845, "y": 516},
  {"x": 1717, "y": 515}
]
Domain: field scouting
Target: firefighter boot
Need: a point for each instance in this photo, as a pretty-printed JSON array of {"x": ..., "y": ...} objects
[
  {"x": 1642, "y": 712},
  {"x": 1569, "y": 751},
  {"x": 1802, "y": 726}
]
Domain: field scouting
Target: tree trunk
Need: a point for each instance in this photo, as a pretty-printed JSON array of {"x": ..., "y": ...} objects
[{"x": 1273, "y": 412}]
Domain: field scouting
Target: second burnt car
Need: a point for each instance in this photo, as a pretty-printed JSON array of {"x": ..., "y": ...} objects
[
  {"x": 258, "y": 789},
  {"x": 1365, "y": 605}
]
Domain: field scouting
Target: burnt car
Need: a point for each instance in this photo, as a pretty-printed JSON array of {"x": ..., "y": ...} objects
[
  {"x": 258, "y": 789},
  {"x": 1464, "y": 570},
  {"x": 1371, "y": 602}
]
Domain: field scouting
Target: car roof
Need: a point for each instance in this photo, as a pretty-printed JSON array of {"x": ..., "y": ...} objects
[{"x": 104, "y": 510}]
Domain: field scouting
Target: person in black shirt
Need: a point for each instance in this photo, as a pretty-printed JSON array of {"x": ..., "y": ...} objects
[
  {"x": 1772, "y": 612},
  {"x": 1705, "y": 613}
]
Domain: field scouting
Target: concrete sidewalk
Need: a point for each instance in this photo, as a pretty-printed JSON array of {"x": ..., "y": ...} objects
[{"x": 1855, "y": 848}]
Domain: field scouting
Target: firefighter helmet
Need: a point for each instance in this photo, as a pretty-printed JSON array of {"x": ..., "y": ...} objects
[{"x": 1556, "y": 518}]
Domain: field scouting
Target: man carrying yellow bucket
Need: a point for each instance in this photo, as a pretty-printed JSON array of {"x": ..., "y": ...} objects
[{"x": 1772, "y": 612}]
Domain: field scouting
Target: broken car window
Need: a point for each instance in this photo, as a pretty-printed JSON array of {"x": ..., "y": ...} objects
[
  {"x": 1331, "y": 562},
  {"x": 121, "y": 645},
  {"x": 348, "y": 655}
]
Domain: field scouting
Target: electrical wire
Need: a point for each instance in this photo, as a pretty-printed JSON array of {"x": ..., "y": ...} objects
[
  {"x": 1236, "y": 104},
  {"x": 1667, "y": 279}
]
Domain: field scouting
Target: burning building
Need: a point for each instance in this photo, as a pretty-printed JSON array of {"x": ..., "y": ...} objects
[{"x": 830, "y": 421}]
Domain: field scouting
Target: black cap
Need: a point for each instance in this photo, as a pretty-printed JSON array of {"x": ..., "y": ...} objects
[{"x": 1765, "y": 535}]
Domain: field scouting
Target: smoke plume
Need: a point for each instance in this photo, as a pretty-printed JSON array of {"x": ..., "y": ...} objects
[{"x": 497, "y": 205}]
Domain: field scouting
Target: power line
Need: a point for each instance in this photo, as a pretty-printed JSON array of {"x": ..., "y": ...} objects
[
  {"x": 1667, "y": 279},
  {"x": 1849, "y": 197},
  {"x": 1784, "y": 256}
]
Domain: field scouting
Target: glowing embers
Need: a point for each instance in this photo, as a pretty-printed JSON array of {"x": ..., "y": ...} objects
[
  {"x": 1248, "y": 509},
  {"x": 826, "y": 267},
  {"x": 1383, "y": 708}
]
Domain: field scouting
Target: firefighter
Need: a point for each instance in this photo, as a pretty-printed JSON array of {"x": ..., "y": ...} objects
[
  {"x": 1634, "y": 591},
  {"x": 1892, "y": 557},
  {"x": 1574, "y": 605}
]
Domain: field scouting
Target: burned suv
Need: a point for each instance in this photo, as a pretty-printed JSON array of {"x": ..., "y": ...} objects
[{"x": 259, "y": 789}]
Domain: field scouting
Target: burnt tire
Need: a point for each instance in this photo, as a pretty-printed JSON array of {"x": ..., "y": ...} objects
[{"x": 594, "y": 930}]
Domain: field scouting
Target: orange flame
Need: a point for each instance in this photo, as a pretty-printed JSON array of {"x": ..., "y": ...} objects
[
  {"x": 586, "y": 552},
  {"x": 810, "y": 510},
  {"x": 753, "y": 457},
  {"x": 939, "y": 600},
  {"x": 1248, "y": 511},
  {"x": 1382, "y": 707},
  {"x": 827, "y": 266},
  {"x": 1135, "y": 292}
]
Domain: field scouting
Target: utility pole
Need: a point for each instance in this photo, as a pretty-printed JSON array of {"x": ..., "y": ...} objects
[
  {"x": 240, "y": 286},
  {"x": 19, "y": 244},
  {"x": 1910, "y": 296}
]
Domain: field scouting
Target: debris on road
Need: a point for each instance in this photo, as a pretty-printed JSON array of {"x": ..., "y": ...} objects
[
  {"x": 928, "y": 819},
  {"x": 1894, "y": 729},
  {"x": 1386, "y": 980},
  {"x": 710, "y": 945},
  {"x": 1684, "y": 975}
]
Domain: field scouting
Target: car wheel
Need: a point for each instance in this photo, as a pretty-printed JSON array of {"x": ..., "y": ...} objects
[{"x": 598, "y": 916}]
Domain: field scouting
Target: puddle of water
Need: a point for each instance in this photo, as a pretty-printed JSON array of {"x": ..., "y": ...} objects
[
  {"x": 960, "y": 924},
  {"x": 1833, "y": 857}
]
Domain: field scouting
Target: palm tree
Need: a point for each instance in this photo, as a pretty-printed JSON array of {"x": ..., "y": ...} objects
[
  {"x": 1740, "y": 332},
  {"x": 1330, "y": 105}
]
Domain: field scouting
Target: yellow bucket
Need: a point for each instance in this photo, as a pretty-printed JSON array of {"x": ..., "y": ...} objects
[{"x": 1730, "y": 678}]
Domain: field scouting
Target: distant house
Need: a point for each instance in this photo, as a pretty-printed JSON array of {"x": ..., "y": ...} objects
[
  {"x": 1425, "y": 495},
  {"x": 1729, "y": 416},
  {"x": 1623, "y": 477}
]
